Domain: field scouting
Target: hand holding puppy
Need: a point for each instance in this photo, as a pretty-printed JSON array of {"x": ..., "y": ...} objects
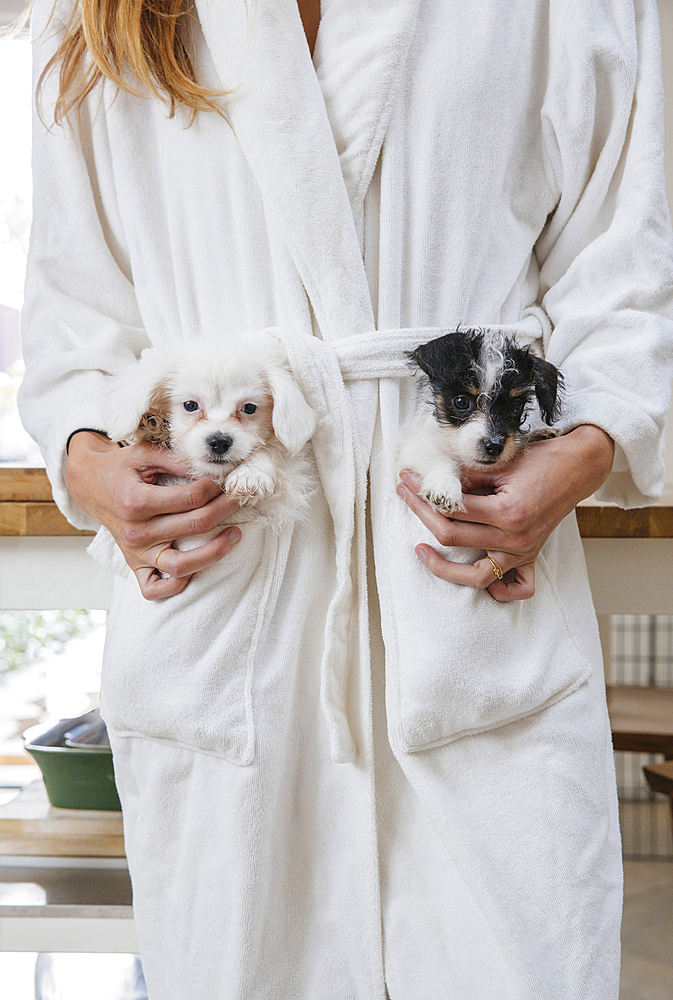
[
  {"x": 471, "y": 456},
  {"x": 511, "y": 522},
  {"x": 230, "y": 411},
  {"x": 117, "y": 487}
]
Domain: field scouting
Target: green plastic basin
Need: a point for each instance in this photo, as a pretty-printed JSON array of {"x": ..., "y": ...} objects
[{"x": 74, "y": 778}]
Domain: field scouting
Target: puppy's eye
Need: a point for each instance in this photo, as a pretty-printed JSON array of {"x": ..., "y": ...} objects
[
  {"x": 190, "y": 405},
  {"x": 462, "y": 403},
  {"x": 249, "y": 407}
]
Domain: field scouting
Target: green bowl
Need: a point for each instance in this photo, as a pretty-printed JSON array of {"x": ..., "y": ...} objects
[{"x": 74, "y": 778}]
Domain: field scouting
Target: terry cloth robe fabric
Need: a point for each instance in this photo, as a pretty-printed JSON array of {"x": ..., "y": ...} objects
[{"x": 439, "y": 163}]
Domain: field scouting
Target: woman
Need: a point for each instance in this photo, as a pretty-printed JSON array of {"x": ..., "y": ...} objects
[{"x": 435, "y": 164}]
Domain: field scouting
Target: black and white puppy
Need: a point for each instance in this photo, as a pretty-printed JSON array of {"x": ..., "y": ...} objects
[{"x": 476, "y": 390}]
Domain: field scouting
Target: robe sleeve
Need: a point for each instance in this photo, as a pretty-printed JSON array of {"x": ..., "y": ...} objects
[
  {"x": 80, "y": 319},
  {"x": 606, "y": 254}
]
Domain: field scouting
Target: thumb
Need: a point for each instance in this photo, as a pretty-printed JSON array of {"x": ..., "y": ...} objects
[
  {"x": 476, "y": 481},
  {"x": 158, "y": 459}
]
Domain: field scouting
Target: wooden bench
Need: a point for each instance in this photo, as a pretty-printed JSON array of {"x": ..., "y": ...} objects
[
  {"x": 641, "y": 719},
  {"x": 660, "y": 779}
]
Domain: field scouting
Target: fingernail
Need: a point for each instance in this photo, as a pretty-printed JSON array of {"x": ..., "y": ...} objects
[
  {"x": 400, "y": 491},
  {"x": 234, "y": 535},
  {"x": 405, "y": 475},
  {"x": 422, "y": 554}
]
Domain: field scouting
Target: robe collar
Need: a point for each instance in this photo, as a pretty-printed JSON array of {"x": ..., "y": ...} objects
[{"x": 312, "y": 134}]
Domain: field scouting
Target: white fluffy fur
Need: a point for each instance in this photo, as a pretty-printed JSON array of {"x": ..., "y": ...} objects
[
  {"x": 265, "y": 467},
  {"x": 438, "y": 456},
  {"x": 437, "y": 452}
]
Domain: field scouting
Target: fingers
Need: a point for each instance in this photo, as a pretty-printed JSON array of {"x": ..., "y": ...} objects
[
  {"x": 152, "y": 459},
  {"x": 186, "y": 563},
  {"x": 154, "y": 587},
  {"x": 181, "y": 566},
  {"x": 472, "y": 481},
  {"x": 482, "y": 508},
  {"x": 488, "y": 499},
  {"x": 517, "y": 583},
  {"x": 480, "y": 575},
  {"x": 140, "y": 536},
  {"x": 141, "y": 499},
  {"x": 448, "y": 530},
  {"x": 196, "y": 521},
  {"x": 490, "y": 521},
  {"x": 118, "y": 487}
]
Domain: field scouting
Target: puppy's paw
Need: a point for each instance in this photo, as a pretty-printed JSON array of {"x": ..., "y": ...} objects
[
  {"x": 247, "y": 486},
  {"x": 442, "y": 496},
  {"x": 444, "y": 504}
]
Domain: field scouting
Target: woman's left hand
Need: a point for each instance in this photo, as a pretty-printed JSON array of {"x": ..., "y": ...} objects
[{"x": 529, "y": 498}]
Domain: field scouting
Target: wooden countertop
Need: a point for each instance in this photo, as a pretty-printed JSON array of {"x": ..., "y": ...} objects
[
  {"x": 29, "y": 824},
  {"x": 27, "y": 508},
  {"x": 604, "y": 520}
]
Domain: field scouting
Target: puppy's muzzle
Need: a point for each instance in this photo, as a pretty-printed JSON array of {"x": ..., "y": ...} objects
[{"x": 219, "y": 444}]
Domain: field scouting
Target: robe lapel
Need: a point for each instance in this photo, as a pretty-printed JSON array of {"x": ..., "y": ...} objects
[
  {"x": 280, "y": 118},
  {"x": 360, "y": 53}
]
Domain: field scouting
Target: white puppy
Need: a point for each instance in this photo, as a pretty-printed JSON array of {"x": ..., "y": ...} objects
[{"x": 231, "y": 411}]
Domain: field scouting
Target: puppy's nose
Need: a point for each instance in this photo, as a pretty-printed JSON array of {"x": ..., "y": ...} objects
[
  {"x": 219, "y": 444},
  {"x": 493, "y": 446}
]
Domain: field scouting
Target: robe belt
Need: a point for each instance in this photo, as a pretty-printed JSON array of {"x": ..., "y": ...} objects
[{"x": 342, "y": 444}]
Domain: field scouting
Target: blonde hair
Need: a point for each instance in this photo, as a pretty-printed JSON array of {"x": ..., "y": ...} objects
[{"x": 136, "y": 44}]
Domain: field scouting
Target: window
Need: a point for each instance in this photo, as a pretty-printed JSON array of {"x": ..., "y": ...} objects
[
  {"x": 49, "y": 669},
  {"x": 15, "y": 207}
]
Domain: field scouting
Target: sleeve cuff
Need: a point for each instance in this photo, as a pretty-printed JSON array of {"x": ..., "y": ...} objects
[{"x": 637, "y": 476}]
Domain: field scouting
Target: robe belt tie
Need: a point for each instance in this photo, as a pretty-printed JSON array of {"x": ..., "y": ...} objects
[
  {"x": 342, "y": 443},
  {"x": 382, "y": 354}
]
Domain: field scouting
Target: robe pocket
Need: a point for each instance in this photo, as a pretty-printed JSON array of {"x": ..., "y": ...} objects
[
  {"x": 180, "y": 670},
  {"x": 475, "y": 664}
]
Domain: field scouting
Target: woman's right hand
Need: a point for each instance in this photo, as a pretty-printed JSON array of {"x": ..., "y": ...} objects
[{"x": 118, "y": 487}]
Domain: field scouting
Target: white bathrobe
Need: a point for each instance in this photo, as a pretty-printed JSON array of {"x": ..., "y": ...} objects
[{"x": 438, "y": 163}]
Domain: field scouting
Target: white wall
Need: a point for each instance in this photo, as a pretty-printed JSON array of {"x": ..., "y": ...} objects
[
  {"x": 666, "y": 17},
  {"x": 10, "y": 9}
]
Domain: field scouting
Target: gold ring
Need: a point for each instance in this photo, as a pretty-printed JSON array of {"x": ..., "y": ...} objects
[
  {"x": 497, "y": 568},
  {"x": 156, "y": 561}
]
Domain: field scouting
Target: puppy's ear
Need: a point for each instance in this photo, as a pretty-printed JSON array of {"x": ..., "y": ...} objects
[
  {"x": 431, "y": 357},
  {"x": 548, "y": 389},
  {"x": 137, "y": 407},
  {"x": 443, "y": 357},
  {"x": 292, "y": 418},
  {"x": 423, "y": 358}
]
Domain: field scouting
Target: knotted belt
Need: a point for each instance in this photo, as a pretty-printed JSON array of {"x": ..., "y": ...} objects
[{"x": 342, "y": 444}]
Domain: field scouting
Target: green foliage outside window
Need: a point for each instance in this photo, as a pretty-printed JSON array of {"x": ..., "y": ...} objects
[{"x": 26, "y": 635}]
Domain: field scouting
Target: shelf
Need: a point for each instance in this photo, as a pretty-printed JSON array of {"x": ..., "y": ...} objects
[{"x": 27, "y": 509}]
